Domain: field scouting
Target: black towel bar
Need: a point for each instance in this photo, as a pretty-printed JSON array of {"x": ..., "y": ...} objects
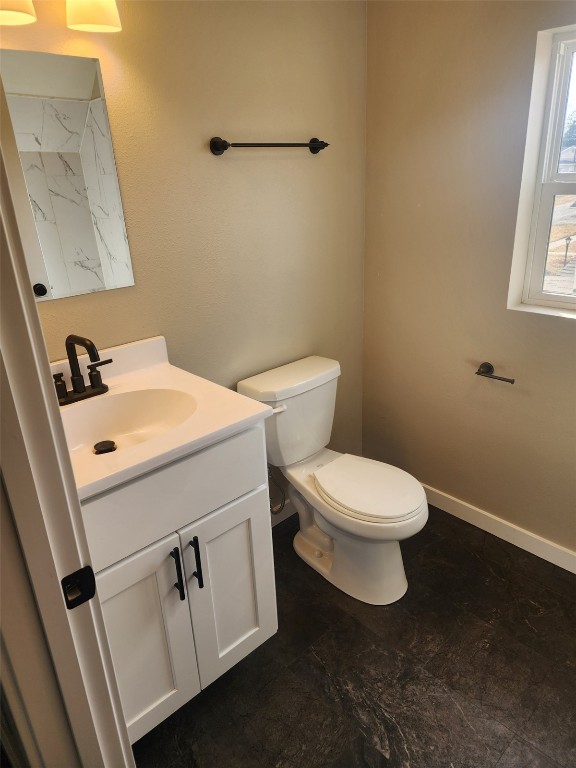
[{"x": 218, "y": 146}]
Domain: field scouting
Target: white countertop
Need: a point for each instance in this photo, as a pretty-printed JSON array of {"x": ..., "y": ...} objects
[{"x": 218, "y": 413}]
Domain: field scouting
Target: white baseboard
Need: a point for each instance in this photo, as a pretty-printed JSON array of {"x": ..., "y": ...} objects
[{"x": 531, "y": 542}]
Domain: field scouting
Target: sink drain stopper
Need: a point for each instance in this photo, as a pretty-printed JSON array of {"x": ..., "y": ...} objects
[{"x": 104, "y": 446}]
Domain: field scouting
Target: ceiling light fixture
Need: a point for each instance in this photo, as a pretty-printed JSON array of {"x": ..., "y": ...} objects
[
  {"x": 14, "y": 12},
  {"x": 93, "y": 15}
]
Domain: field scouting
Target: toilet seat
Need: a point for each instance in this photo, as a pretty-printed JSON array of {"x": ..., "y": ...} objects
[{"x": 369, "y": 490}]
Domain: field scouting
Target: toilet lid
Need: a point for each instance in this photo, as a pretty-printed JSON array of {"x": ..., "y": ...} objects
[{"x": 369, "y": 490}]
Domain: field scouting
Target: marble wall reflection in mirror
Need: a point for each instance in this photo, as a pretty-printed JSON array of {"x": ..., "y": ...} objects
[{"x": 58, "y": 112}]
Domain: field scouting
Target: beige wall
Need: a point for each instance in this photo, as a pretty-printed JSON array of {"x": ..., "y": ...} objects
[
  {"x": 252, "y": 259},
  {"x": 448, "y": 94}
]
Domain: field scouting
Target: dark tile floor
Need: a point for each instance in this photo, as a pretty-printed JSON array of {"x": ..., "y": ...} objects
[{"x": 475, "y": 667}]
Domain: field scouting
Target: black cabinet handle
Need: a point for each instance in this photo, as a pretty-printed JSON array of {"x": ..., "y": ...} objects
[
  {"x": 198, "y": 572},
  {"x": 180, "y": 581}
]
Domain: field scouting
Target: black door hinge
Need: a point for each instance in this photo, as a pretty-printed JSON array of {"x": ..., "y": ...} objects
[{"x": 79, "y": 587}]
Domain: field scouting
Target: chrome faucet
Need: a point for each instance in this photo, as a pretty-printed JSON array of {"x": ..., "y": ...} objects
[{"x": 79, "y": 389}]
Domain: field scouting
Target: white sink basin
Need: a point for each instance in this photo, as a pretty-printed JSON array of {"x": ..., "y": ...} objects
[
  {"x": 154, "y": 412},
  {"x": 127, "y": 418}
]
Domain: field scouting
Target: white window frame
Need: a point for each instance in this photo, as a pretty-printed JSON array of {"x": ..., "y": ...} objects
[{"x": 540, "y": 178}]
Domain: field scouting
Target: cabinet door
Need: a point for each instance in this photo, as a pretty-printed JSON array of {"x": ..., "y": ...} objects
[
  {"x": 235, "y": 611},
  {"x": 150, "y": 636}
]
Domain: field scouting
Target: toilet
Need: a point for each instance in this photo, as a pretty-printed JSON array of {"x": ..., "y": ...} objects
[{"x": 353, "y": 512}]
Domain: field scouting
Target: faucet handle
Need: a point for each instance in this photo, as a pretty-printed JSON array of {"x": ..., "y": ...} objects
[
  {"x": 95, "y": 376},
  {"x": 60, "y": 385},
  {"x": 92, "y": 366}
]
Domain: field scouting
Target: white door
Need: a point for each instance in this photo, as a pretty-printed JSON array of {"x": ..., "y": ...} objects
[
  {"x": 234, "y": 609},
  {"x": 148, "y": 625},
  {"x": 39, "y": 482}
]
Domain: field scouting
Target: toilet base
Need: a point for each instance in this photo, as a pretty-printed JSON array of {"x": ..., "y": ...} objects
[{"x": 367, "y": 569}]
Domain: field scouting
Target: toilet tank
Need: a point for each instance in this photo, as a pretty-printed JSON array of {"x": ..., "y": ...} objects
[{"x": 304, "y": 394}]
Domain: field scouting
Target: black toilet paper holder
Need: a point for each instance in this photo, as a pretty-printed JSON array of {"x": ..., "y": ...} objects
[{"x": 487, "y": 370}]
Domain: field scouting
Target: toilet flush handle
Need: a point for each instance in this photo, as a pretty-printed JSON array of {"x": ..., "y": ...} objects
[{"x": 279, "y": 409}]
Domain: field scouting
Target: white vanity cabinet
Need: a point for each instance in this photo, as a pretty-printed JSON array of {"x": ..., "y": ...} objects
[
  {"x": 209, "y": 511},
  {"x": 150, "y": 636},
  {"x": 235, "y": 610}
]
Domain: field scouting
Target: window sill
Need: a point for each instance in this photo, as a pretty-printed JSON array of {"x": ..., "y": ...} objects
[{"x": 538, "y": 309}]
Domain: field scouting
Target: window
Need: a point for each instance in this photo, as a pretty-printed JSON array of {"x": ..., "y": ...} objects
[{"x": 543, "y": 268}]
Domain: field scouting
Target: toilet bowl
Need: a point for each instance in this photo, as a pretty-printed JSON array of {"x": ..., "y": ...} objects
[
  {"x": 353, "y": 512},
  {"x": 356, "y": 546}
]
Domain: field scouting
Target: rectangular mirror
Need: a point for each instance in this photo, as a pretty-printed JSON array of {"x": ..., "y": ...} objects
[{"x": 58, "y": 112}]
